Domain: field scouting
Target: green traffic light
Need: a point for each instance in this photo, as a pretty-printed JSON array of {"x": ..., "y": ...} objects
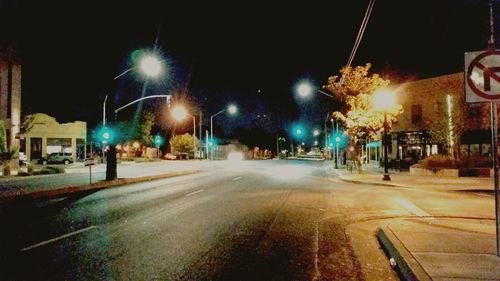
[{"x": 106, "y": 135}]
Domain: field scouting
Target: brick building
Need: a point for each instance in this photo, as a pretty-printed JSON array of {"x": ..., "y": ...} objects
[
  {"x": 424, "y": 101},
  {"x": 10, "y": 100}
]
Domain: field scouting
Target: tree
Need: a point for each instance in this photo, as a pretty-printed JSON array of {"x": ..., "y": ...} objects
[
  {"x": 448, "y": 129},
  {"x": 3, "y": 138},
  {"x": 355, "y": 94},
  {"x": 146, "y": 122},
  {"x": 6, "y": 154},
  {"x": 183, "y": 143}
]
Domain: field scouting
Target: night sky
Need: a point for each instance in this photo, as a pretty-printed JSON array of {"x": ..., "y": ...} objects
[{"x": 250, "y": 53}]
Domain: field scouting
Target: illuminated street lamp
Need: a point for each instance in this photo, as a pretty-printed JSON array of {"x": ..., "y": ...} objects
[
  {"x": 316, "y": 133},
  {"x": 384, "y": 100},
  {"x": 150, "y": 65},
  {"x": 232, "y": 109},
  {"x": 305, "y": 89},
  {"x": 180, "y": 113}
]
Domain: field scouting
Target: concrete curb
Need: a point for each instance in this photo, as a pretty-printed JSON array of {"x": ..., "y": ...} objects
[
  {"x": 406, "y": 265},
  {"x": 342, "y": 178},
  {"x": 74, "y": 189}
]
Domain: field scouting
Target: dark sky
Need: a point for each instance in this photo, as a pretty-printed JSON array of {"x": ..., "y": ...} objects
[{"x": 223, "y": 52}]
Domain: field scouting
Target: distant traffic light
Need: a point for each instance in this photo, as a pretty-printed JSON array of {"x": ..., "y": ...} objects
[
  {"x": 158, "y": 140},
  {"x": 106, "y": 135}
]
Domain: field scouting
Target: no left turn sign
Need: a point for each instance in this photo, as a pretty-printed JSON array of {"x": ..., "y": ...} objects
[{"x": 482, "y": 76}]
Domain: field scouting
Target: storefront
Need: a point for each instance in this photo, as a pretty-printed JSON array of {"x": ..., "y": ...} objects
[
  {"x": 44, "y": 135},
  {"x": 415, "y": 145}
]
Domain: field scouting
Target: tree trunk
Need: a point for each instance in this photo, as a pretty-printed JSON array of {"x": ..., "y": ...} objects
[{"x": 111, "y": 173}]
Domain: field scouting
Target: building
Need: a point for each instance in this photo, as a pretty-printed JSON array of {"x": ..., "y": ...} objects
[
  {"x": 44, "y": 135},
  {"x": 10, "y": 100},
  {"x": 428, "y": 105}
]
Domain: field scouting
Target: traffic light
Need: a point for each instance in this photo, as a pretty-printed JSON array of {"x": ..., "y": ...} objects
[
  {"x": 158, "y": 140},
  {"x": 106, "y": 135}
]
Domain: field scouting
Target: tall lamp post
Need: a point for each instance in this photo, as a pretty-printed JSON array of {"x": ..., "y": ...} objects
[
  {"x": 384, "y": 100},
  {"x": 232, "y": 109},
  {"x": 180, "y": 113},
  {"x": 150, "y": 66}
]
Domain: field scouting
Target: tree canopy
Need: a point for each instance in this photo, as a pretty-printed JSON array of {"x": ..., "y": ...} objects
[
  {"x": 355, "y": 92},
  {"x": 183, "y": 143}
]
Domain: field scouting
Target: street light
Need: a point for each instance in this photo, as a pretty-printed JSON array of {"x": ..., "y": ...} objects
[
  {"x": 305, "y": 89},
  {"x": 232, "y": 109},
  {"x": 337, "y": 140},
  {"x": 316, "y": 133},
  {"x": 384, "y": 100},
  {"x": 179, "y": 113},
  {"x": 149, "y": 65}
]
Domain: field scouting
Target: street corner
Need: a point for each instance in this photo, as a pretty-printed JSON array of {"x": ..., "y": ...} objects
[
  {"x": 416, "y": 250},
  {"x": 399, "y": 258}
]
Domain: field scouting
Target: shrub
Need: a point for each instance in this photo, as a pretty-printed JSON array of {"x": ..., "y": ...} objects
[
  {"x": 24, "y": 174},
  {"x": 144, "y": 160},
  {"x": 30, "y": 167},
  {"x": 440, "y": 161},
  {"x": 42, "y": 172},
  {"x": 55, "y": 169},
  {"x": 6, "y": 170},
  {"x": 479, "y": 162}
]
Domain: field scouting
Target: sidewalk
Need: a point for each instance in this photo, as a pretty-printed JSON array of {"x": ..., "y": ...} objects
[
  {"x": 76, "y": 179},
  {"x": 372, "y": 174},
  {"x": 417, "y": 249}
]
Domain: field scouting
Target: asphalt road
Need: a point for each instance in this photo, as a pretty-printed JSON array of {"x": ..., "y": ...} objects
[{"x": 254, "y": 220}]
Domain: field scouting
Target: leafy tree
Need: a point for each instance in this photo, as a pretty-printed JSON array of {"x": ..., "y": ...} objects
[
  {"x": 355, "y": 94},
  {"x": 3, "y": 138},
  {"x": 146, "y": 122},
  {"x": 439, "y": 128},
  {"x": 183, "y": 143},
  {"x": 6, "y": 154}
]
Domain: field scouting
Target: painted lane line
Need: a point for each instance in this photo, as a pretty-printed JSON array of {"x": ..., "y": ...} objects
[
  {"x": 412, "y": 208},
  {"x": 57, "y": 238},
  {"x": 237, "y": 178},
  {"x": 193, "y": 193}
]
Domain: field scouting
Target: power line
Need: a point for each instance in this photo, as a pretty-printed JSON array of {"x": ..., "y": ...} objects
[{"x": 361, "y": 31}]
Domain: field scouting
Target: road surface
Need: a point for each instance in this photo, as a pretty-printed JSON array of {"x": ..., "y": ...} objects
[{"x": 250, "y": 220}]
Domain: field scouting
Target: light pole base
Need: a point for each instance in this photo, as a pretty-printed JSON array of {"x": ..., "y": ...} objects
[{"x": 386, "y": 177}]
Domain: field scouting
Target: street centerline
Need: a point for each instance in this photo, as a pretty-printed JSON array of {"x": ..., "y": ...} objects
[
  {"x": 237, "y": 178},
  {"x": 57, "y": 238}
]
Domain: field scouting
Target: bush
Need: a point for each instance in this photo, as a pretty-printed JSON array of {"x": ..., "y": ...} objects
[
  {"x": 440, "y": 161},
  {"x": 144, "y": 160},
  {"x": 24, "y": 174},
  {"x": 55, "y": 169},
  {"x": 445, "y": 162},
  {"x": 30, "y": 167},
  {"x": 6, "y": 170},
  {"x": 42, "y": 172},
  {"x": 49, "y": 170}
]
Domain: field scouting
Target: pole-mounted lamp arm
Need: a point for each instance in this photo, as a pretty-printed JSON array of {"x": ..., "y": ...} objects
[{"x": 169, "y": 100}]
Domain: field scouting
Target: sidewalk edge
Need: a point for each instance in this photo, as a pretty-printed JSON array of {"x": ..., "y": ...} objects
[
  {"x": 74, "y": 189},
  {"x": 407, "y": 267}
]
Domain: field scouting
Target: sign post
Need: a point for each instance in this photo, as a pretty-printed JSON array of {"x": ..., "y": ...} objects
[
  {"x": 89, "y": 162},
  {"x": 482, "y": 84}
]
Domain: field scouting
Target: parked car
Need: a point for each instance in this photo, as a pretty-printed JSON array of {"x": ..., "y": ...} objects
[{"x": 56, "y": 158}]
